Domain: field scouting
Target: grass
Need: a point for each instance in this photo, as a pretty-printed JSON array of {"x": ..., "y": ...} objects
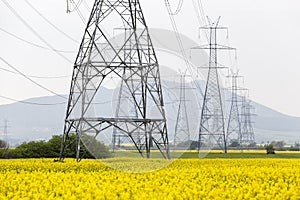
[
  {"x": 216, "y": 154},
  {"x": 241, "y": 155}
]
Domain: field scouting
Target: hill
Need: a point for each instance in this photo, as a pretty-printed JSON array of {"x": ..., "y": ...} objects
[{"x": 35, "y": 122}]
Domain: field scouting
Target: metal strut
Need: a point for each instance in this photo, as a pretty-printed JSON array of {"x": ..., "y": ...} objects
[
  {"x": 212, "y": 128},
  {"x": 182, "y": 130},
  {"x": 133, "y": 63},
  {"x": 234, "y": 131}
]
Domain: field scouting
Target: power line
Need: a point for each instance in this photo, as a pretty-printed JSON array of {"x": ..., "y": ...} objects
[
  {"x": 33, "y": 44},
  {"x": 32, "y": 103},
  {"x": 181, "y": 46},
  {"x": 178, "y": 9},
  {"x": 33, "y": 31},
  {"x": 28, "y": 78},
  {"x": 49, "y": 22},
  {"x": 48, "y": 104},
  {"x": 32, "y": 76},
  {"x": 86, "y": 6},
  {"x": 198, "y": 6},
  {"x": 202, "y": 13},
  {"x": 76, "y": 8},
  {"x": 76, "y": 5}
]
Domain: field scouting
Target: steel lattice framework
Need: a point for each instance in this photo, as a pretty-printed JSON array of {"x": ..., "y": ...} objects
[
  {"x": 119, "y": 137},
  {"x": 134, "y": 63},
  {"x": 212, "y": 128},
  {"x": 5, "y": 136},
  {"x": 234, "y": 122},
  {"x": 182, "y": 130},
  {"x": 247, "y": 131}
]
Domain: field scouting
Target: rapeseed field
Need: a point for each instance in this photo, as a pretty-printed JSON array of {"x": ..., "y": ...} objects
[{"x": 264, "y": 178}]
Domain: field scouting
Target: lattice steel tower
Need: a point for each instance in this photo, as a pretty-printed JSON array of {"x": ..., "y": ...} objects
[
  {"x": 247, "y": 130},
  {"x": 134, "y": 63},
  {"x": 5, "y": 134},
  {"x": 182, "y": 131},
  {"x": 212, "y": 128},
  {"x": 234, "y": 122},
  {"x": 125, "y": 108}
]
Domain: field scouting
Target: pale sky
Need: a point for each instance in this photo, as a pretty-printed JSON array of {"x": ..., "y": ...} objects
[{"x": 265, "y": 32}]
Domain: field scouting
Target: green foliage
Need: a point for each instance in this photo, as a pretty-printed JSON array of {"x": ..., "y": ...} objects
[
  {"x": 3, "y": 144},
  {"x": 194, "y": 145},
  {"x": 234, "y": 143},
  {"x": 33, "y": 149},
  {"x": 270, "y": 149},
  {"x": 92, "y": 145},
  {"x": 294, "y": 149},
  {"x": 54, "y": 145},
  {"x": 51, "y": 149},
  {"x": 278, "y": 144},
  {"x": 9, "y": 153}
]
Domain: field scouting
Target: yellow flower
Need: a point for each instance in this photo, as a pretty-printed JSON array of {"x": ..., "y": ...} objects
[{"x": 183, "y": 179}]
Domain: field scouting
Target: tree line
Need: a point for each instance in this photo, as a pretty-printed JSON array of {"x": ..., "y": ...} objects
[{"x": 49, "y": 149}]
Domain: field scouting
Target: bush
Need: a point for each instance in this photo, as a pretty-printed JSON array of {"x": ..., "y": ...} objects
[
  {"x": 270, "y": 149},
  {"x": 37, "y": 149},
  {"x": 99, "y": 149},
  {"x": 234, "y": 143},
  {"x": 9, "y": 153},
  {"x": 3, "y": 144},
  {"x": 294, "y": 149},
  {"x": 51, "y": 149}
]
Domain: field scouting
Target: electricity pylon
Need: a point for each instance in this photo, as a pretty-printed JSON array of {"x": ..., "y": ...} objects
[
  {"x": 182, "y": 130},
  {"x": 5, "y": 134},
  {"x": 5, "y": 138},
  {"x": 233, "y": 133},
  {"x": 98, "y": 60},
  {"x": 212, "y": 128},
  {"x": 119, "y": 137},
  {"x": 247, "y": 131}
]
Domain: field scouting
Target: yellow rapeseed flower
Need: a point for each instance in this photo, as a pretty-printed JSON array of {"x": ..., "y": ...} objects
[{"x": 183, "y": 179}]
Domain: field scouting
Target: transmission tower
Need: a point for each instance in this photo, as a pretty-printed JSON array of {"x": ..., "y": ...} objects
[
  {"x": 234, "y": 122},
  {"x": 212, "y": 128},
  {"x": 119, "y": 137},
  {"x": 135, "y": 62},
  {"x": 182, "y": 131},
  {"x": 247, "y": 136},
  {"x": 5, "y": 134}
]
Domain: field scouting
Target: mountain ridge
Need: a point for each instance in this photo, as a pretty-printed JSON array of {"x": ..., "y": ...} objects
[{"x": 33, "y": 122}]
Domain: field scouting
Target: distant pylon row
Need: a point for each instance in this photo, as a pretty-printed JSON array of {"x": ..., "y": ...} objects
[
  {"x": 240, "y": 132},
  {"x": 139, "y": 116}
]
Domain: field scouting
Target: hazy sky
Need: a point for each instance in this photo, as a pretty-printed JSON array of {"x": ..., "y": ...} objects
[{"x": 266, "y": 33}]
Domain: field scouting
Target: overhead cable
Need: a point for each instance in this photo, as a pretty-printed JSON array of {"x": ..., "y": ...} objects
[
  {"x": 32, "y": 103},
  {"x": 198, "y": 7},
  {"x": 49, "y": 22},
  {"x": 178, "y": 9},
  {"x": 75, "y": 5},
  {"x": 33, "y": 44},
  {"x": 76, "y": 8},
  {"x": 28, "y": 78},
  {"x": 34, "y": 32},
  {"x": 182, "y": 50},
  {"x": 33, "y": 76}
]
